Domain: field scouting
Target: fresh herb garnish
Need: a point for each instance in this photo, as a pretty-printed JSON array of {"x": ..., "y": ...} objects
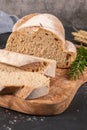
[{"x": 79, "y": 64}]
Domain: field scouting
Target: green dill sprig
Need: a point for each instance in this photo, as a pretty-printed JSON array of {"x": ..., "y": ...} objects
[{"x": 79, "y": 64}]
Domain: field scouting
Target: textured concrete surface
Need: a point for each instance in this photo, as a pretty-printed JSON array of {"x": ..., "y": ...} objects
[{"x": 68, "y": 11}]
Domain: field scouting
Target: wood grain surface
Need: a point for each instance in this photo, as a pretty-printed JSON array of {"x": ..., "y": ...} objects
[{"x": 61, "y": 94}]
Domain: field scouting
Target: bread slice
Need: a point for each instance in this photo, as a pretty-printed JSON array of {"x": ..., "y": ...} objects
[
  {"x": 42, "y": 35},
  {"x": 28, "y": 63},
  {"x": 27, "y": 81}
]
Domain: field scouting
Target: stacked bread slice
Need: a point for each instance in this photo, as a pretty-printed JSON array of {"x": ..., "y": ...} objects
[
  {"x": 25, "y": 81},
  {"x": 28, "y": 63}
]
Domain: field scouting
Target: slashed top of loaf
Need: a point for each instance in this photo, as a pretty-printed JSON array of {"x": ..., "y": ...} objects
[{"x": 22, "y": 20}]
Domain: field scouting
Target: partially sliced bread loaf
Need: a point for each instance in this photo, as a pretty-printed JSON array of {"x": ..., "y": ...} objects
[
  {"x": 42, "y": 35},
  {"x": 27, "y": 81}
]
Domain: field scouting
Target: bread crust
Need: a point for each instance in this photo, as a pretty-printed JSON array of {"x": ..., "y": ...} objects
[
  {"x": 57, "y": 22},
  {"x": 71, "y": 49}
]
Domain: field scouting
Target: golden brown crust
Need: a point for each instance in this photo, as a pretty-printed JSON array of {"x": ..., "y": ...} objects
[{"x": 71, "y": 50}]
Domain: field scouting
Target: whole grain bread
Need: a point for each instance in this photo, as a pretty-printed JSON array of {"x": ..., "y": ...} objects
[
  {"x": 26, "y": 81},
  {"x": 42, "y": 35}
]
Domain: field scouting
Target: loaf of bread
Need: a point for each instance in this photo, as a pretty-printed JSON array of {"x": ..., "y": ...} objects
[
  {"x": 27, "y": 82},
  {"x": 42, "y": 35}
]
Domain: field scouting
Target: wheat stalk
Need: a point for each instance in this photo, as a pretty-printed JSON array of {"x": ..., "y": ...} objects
[{"x": 80, "y": 36}]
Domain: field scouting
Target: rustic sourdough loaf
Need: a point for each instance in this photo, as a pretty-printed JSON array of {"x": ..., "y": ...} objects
[
  {"x": 26, "y": 81},
  {"x": 42, "y": 35}
]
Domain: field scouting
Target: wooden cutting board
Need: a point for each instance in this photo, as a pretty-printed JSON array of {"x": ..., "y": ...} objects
[{"x": 61, "y": 94}]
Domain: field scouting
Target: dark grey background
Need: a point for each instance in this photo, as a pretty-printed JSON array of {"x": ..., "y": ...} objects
[{"x": 68, "y": 11}]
